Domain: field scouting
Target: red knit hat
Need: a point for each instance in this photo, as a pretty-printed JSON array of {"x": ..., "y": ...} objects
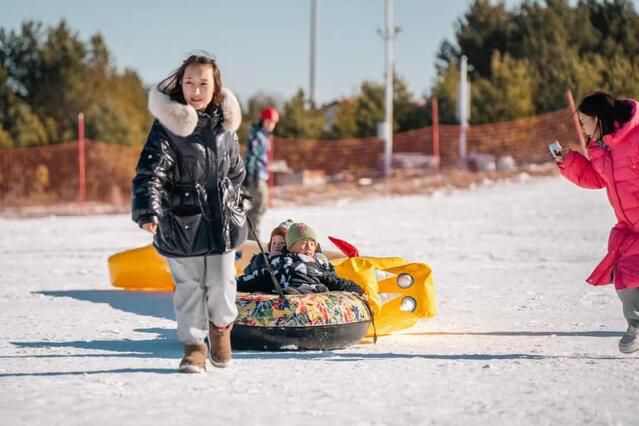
[
  {"x": 281, "y": 230},
  {"x": 270, "y": 113}
]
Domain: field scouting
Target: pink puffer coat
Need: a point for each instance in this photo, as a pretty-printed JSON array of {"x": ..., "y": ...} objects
[{"x": 614, "y": 165}]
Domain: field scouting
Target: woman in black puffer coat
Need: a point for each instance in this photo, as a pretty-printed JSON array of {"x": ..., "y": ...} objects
[{"x": 186, "y": 192}]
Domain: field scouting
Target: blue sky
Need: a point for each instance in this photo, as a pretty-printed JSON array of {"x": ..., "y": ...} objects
[{"x": 260, "y": 45}]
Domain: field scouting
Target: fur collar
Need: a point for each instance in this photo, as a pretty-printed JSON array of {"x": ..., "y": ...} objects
[{"x": 182, "y": 119}]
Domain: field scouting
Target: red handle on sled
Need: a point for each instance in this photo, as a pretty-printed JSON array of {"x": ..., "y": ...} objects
[{"x": 347, "y": 248}]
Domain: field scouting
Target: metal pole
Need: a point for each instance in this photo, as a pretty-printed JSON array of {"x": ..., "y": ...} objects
[
  {"x": 573, "y": 111},
  {"x": 82, "y": 186},
  {"x": 464, "y": 104},
  {"x": 389, "y": 35},
  {"x": 313, "y": 62},
  {"x": 436, "y": 153}
]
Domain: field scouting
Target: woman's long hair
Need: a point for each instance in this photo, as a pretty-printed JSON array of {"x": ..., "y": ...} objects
[
  {"x": 172, "y": 85},
  {"x": 611, "y": 113}
]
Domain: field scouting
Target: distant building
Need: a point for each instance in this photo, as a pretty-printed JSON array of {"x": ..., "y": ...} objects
[{"x": 331, "y": 110}]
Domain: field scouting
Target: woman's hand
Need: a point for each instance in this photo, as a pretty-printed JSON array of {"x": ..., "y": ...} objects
[
  {"x": 150, "y": 227},
  {"x": 562, "y": 155}
]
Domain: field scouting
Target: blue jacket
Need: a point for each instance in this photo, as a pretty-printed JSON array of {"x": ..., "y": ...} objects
[{"x": 256, "y": 157}]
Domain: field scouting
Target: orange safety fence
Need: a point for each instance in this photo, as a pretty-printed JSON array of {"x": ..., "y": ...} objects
[
  {"x": 49, "y": 174},
  {"x": 525, "y": 140}
]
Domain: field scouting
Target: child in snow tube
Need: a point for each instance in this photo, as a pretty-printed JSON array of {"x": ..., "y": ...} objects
[
  {"x": 301, "y": 270},
  {"x": 319, "y": 311},
  {"x": 305, "y": 270},
  {"x": 256, "y": 277}
]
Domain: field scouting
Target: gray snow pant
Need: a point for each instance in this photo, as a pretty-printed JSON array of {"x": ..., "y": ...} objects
[
  {"x": 259, "y": 204},
  {"x": 205, "y": 291},
  {"x": 630, "y": 301}
]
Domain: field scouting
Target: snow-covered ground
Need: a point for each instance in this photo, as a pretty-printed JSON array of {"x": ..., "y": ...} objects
[{"x": 519, "y": 338}]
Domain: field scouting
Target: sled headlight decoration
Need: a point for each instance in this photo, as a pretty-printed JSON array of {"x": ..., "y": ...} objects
[
  {"x": 405, "y": 280},
  {"x": 408, "y": 304}
]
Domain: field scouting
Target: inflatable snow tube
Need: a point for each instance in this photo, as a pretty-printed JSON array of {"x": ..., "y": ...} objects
[
  {"x": 400, "y": 292},
  {"x": 320, "y": 321}
]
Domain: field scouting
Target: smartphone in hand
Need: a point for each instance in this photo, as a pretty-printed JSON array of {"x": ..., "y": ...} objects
[{"x": 555, "y": 150}]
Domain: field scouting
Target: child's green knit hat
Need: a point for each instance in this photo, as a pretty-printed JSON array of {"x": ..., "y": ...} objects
[{"x": 299, "y": 231}]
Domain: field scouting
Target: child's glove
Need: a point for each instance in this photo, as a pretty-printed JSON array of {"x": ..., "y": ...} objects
[
  {"x": 320, "y": 288},
  {"x": 306, "y": 289}
]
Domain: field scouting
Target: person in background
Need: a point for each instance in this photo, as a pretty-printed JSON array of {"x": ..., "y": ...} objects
[
  {"x": 612, "y": 128},
  {"x": 256, "y": 160}
]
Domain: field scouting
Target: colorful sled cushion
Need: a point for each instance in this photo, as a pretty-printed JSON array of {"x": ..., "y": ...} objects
[{"x": 333, "y": 308}]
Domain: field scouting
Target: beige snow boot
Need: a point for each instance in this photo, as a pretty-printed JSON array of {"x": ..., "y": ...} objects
[
  {"x": 194, "y": 360},
  {"x": 629, "y": 343},
  {"x": 220, "y": 338}
]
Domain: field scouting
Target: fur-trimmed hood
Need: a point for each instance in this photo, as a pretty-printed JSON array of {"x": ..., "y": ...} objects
[{"x": 181, "y": 119}]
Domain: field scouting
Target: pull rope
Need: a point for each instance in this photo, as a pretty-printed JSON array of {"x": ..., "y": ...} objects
[
  {"x": 276, "y": 284},
  {"x": 372, "y": 322}
]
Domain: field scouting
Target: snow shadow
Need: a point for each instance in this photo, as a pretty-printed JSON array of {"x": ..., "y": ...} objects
[
  {"x": 163, "y": 345},
  {"x": 90, "y": 372},
  {"x": 337, "y": 356},
  {"x": 599, "y": 333},
  {"x": 149, "y": 303}
]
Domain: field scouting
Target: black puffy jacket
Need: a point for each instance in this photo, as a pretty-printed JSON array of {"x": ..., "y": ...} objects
[
  {"x": 188, "y": 178},
  {"x": 294, "y": 270}
]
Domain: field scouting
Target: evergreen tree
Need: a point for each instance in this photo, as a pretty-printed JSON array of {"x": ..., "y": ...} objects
[
  {"x": 48, "y": 76},
  {"x": 551, "y": 46},
  {"x": 345, "y": 121},
  {"x": 445, "y": 90},
  {"x": 298, "y": 121},
  {"x": 507, "y": 95},
  {"x": 370, "y": 108}
]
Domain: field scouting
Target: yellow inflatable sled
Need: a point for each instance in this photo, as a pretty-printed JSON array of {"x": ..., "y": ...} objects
[{"x": 399, "y": 292}]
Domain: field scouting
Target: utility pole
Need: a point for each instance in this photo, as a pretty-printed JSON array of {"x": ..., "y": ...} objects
[
  {"x": 82, "y": 173},
  {"x": 389, "y": 37},
  {"x": 313, "y": 49},
  {"x": 463, "y": 108}
]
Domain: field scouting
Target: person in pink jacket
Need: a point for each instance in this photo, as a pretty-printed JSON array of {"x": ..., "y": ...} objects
[{"x": 612, "y": 128}]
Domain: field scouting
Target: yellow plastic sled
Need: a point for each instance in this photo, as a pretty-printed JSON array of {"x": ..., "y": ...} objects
[{"x": 399, "y": 292}]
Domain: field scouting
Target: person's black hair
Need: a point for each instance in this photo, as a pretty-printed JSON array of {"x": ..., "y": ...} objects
[{"x": 608, "y": 110}]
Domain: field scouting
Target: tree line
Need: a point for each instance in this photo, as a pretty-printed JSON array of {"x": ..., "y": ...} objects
[
  {"x": 48, "y": 76},
  {"x": 521, "y": 62}
]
